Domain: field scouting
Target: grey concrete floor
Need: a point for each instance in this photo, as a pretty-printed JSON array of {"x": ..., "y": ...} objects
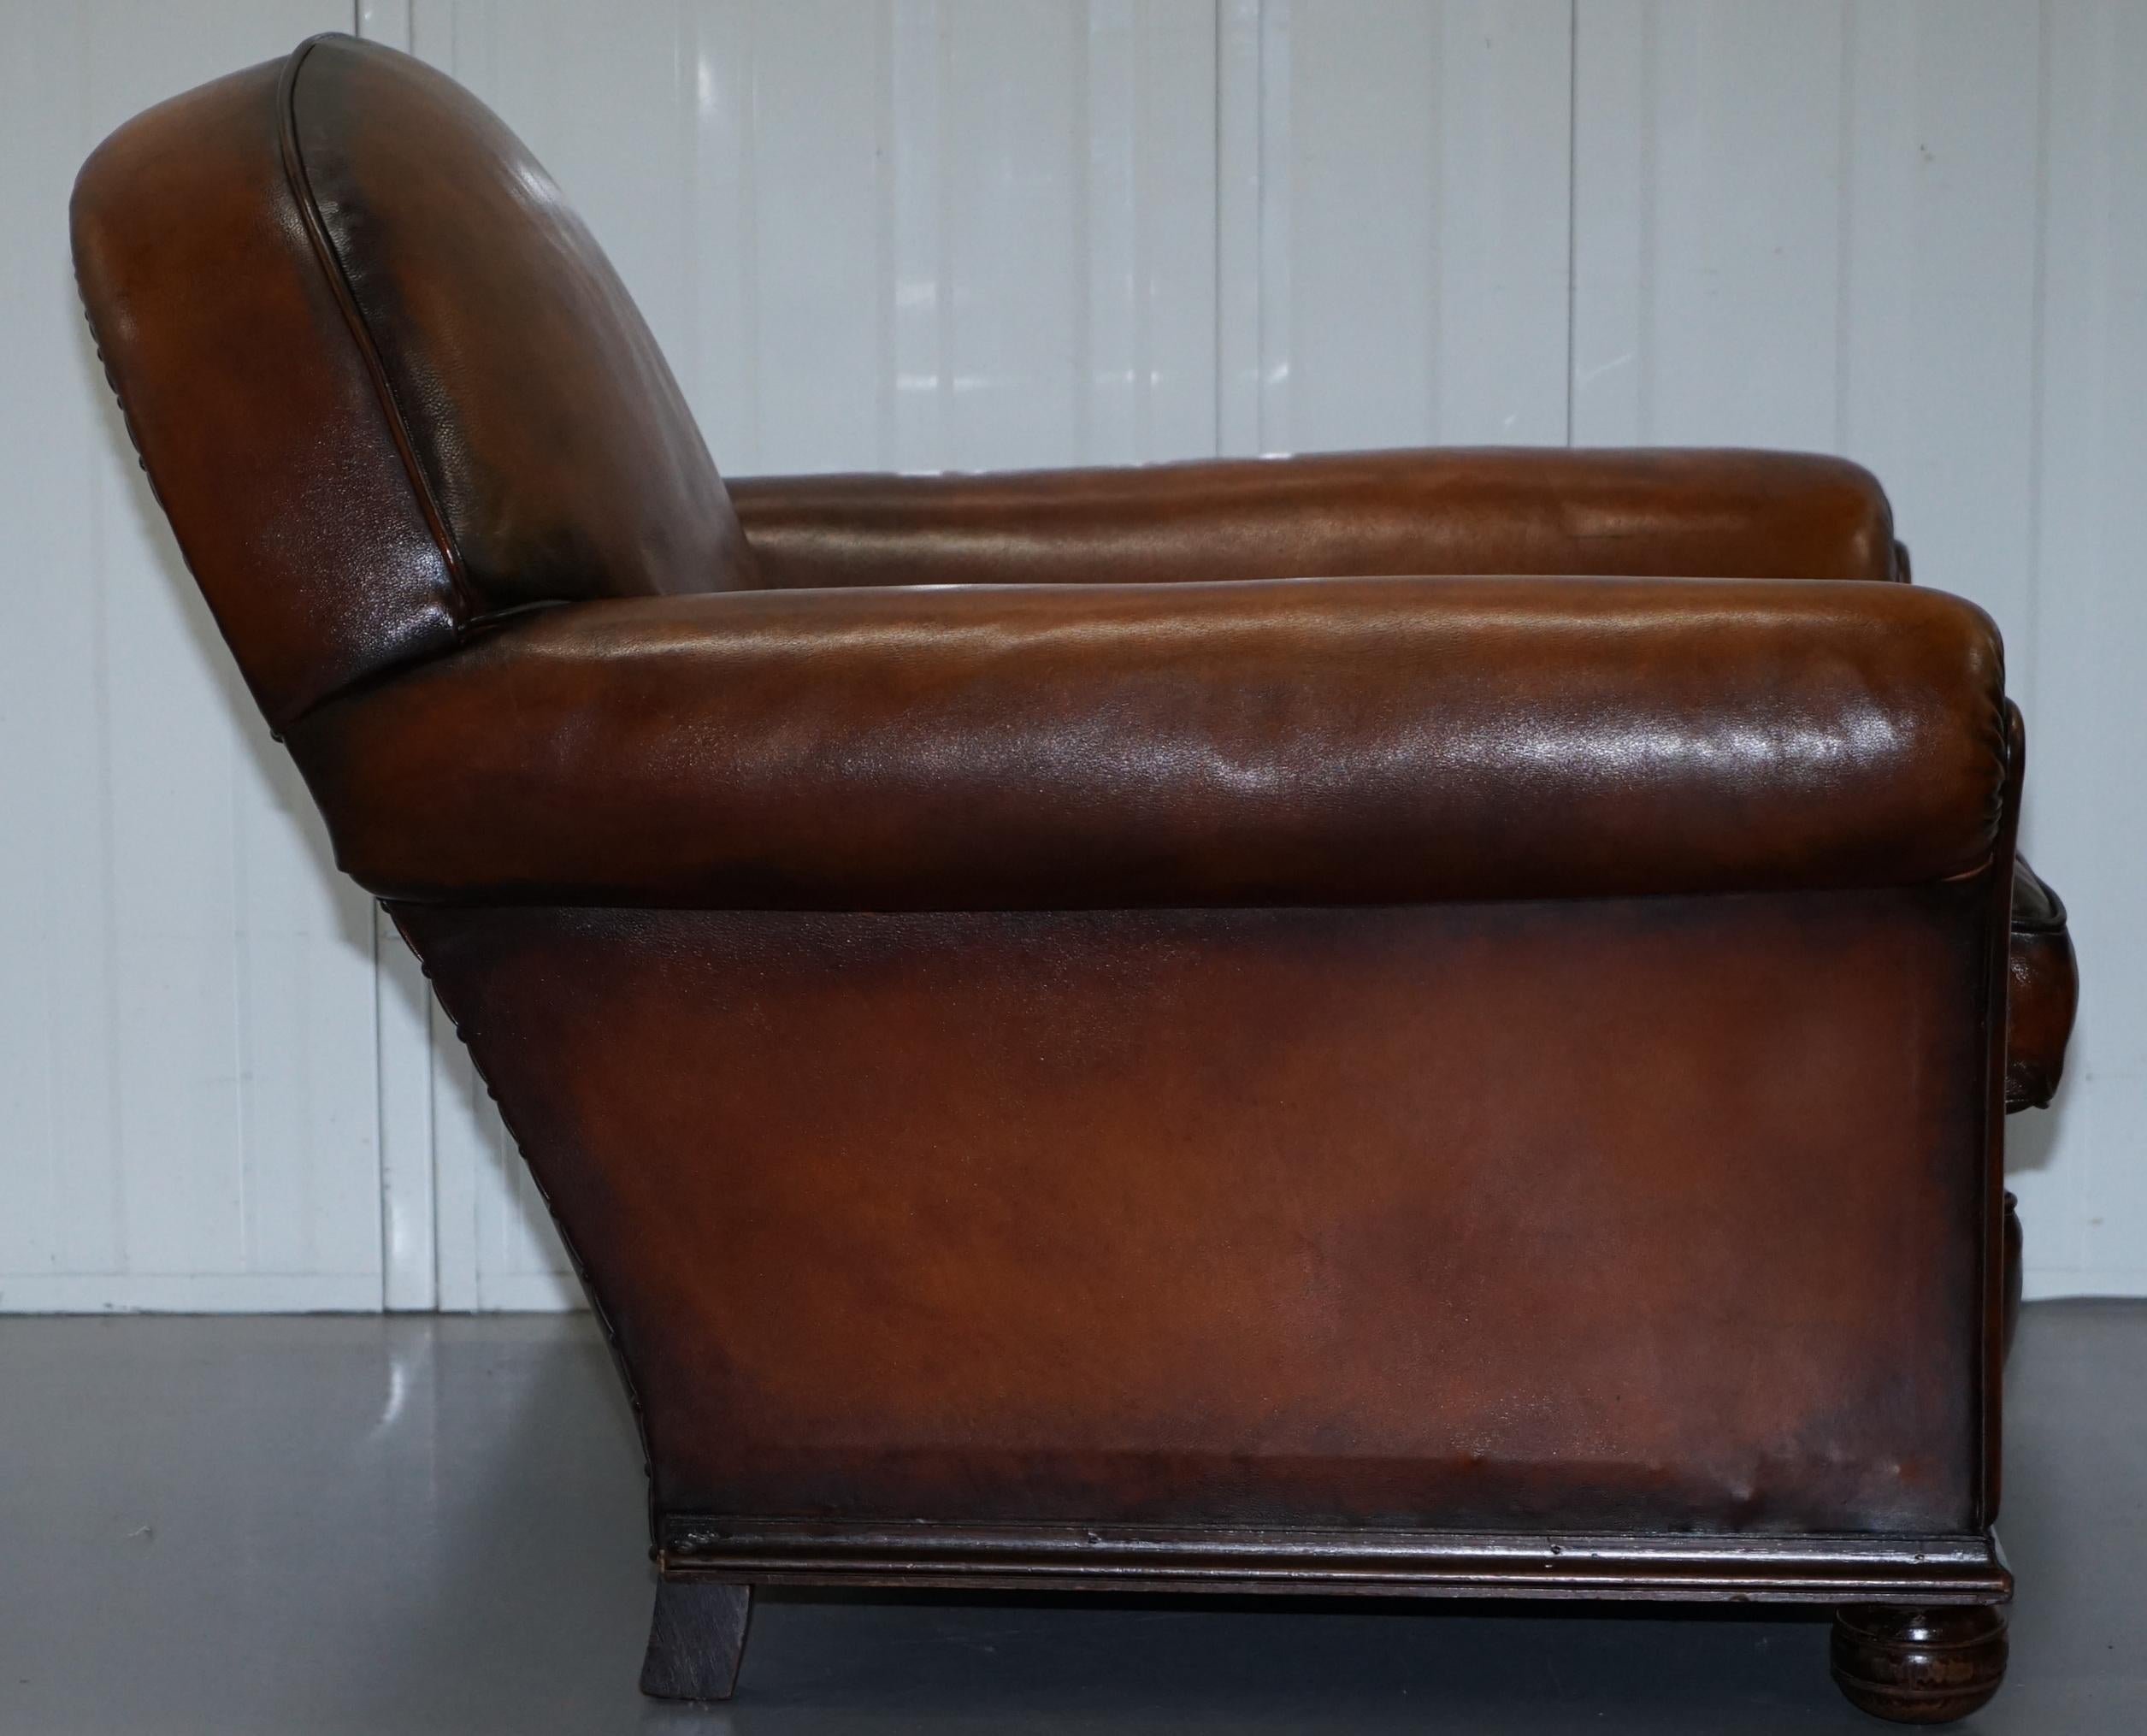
[{"x": 414, "y": 1524}]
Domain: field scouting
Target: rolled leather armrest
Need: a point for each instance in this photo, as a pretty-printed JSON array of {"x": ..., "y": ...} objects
[
  {"x": 1343, "y": 741},
  {"x": 2043, "y": 992},
  {"x": 1713, "y": 514}
]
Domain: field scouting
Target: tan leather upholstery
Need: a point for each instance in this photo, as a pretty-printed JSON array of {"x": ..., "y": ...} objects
[
  {"x": 1498, "y": 1215},
  {"x": 431, "y": 399},
  {"x": 1343, "y": 741},
  {"x": 548, "y": 433},
  {"x": 1719, "y": 515},
  {"x": 2045, "y": 983},
  {"x": 257, "y": 417},
  {"x": 1408, "y": 1021}
]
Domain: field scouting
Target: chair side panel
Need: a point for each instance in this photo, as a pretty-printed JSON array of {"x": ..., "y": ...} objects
[{"x": 1619, "y": 1214}]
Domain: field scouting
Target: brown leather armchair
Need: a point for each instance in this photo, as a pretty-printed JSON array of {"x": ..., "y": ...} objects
[{"x": 1135, "y": 1028}]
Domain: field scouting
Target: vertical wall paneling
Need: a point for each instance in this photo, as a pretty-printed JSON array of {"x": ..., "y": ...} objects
[
  {"x": 2079, "y": 1169},
  {"x": 817, "y": 237},
  {"x": 1149, "y": 158},
  {"x": 1241, "y": 50},
  {"x": 917, "y": 308},
  {"x": 1707, "y": 153},
  {"x": 1011, "y": 118},
  {"x": 402, "y": 1041},
  {"x": 386, "y": 21},
  {"x": 1047, "y": 230},
  {"x": 1410, "y": 226},
  {"x": 59, "y": 1064},
  {"x": 984, "y": 234},
  {"x": 1816, "y": 227},
  {"x": 186, "y": 1077}
]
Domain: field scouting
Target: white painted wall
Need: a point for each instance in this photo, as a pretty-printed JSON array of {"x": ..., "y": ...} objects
[
  {"x": 188, "y": 1112},
  {"x": 987, "y": 233}
]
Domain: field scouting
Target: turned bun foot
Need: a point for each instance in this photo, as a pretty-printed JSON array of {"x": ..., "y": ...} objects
[
  {"x": 1918, "y": 1666},
  {"x": 696, "y": 1637}
]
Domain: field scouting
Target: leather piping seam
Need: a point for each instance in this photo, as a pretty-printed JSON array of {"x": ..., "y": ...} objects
[{"x": 332, "y": 268}]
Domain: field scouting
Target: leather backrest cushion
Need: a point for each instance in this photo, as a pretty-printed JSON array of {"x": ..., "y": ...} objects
[
  {"x": 549, "y": 430},
  {"x": 382, "y": 381},
  {"x": 256, "y": 416}
]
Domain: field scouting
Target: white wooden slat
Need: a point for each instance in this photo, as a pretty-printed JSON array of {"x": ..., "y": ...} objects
[
  {"x": 919, "y": 301},
  {"x": 56, "y": 1063},
  {"x": 402, "y": 1015},
  {"x": 1149, "y": 191},
  {"x": 1240, "y": 119},
  {"x": 1413, "y": 247},
  {"x": 195, "y": 984},
  {"x": 470, "y": 1176},
  {"x": 721, "y": 371},
  {"x": 1076, "y": 230},
  {"x": 818, "y": 72},
  {"x": 1274, "y": 135},
  {"x": 171, "y": 702},
  {"x": 59, "y": 1066},
  {"x": 308, "y": 1051},
  {"x": 1500, "y": 364},
  {"x": 1707, "y": 234},
  {"x": 1013, "y": 240},
  {"x": 2083, "y": 1188},
  {"x": 385, "y": 21}
]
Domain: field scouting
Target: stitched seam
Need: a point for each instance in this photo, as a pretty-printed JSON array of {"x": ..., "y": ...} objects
[{"x": 301, "y": 187}]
